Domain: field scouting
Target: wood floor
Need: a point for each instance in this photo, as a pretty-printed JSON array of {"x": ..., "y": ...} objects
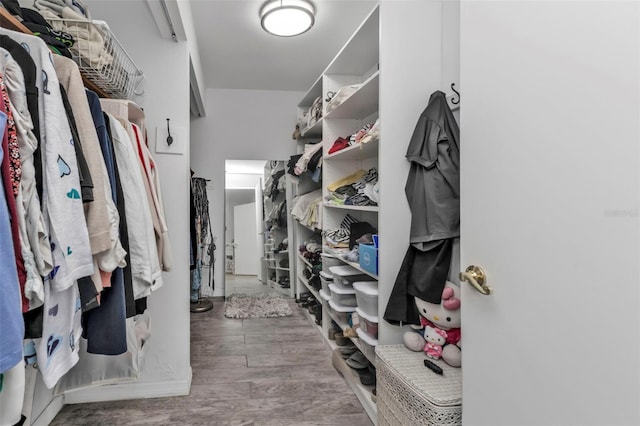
[{"x": 271, "y": 371}]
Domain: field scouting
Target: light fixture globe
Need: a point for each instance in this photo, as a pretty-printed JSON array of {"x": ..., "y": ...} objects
[{"x": 287, "y": 18}]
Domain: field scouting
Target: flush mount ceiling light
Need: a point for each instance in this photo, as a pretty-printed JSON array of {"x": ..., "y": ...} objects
[{"x": 287, "y": 18}]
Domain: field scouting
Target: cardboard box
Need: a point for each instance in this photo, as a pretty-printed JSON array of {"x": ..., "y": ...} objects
[{"x": 368, "y": 258}]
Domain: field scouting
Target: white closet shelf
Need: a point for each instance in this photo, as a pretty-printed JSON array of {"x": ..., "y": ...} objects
[
  {"x": 305, "y": 261},
  {"x": 362, "y": 103},
  {"x": 306, "y": 226},
  {"x": 308, "y": 286},
  {"x": 313, "y": 131},
  {"x": 352, "y": 264},
  {"x": 360, "y": 151},
  {"x": 361, "y": 52},
  {"x": 314, "y": 91},
  {"x": 357, "y": 208}
]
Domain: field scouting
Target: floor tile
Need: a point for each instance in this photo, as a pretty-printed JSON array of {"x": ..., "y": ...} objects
[{"x": 267, "y": 371}]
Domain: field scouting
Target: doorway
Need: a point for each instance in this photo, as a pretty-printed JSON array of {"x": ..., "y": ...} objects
[{"x": 243, "y": 226}]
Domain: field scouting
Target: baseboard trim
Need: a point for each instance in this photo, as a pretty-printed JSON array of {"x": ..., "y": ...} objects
[
  {"x": 132, "y": 390},
  {"x": 48, "y": 414}
]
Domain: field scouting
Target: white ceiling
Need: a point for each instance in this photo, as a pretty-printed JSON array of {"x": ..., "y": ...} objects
[{"x": 237, "y": 54}]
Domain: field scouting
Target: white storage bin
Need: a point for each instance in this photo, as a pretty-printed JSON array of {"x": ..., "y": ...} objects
[
  {"x": 344, "y": 276},
  {"x": 368, "y": 323},
  {"x": 325, "y": 279},
  {"x": 328, "y": 260},
  {"x": 325, "y": 296},
  {"x": 367, "y": 296},
  {"x": 343, "y": 297}
]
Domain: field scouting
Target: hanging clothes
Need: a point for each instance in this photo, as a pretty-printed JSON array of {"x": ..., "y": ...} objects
[
  {"x": 28, "y": 67},
  {"x": 63, "y": 208},
  {"x": 433, "y": 193},
  {"x": 83, "y": 234},
  {"x": 10, "y": 299},
  {"x": 126, "y": 274},
  {"x": 152, "y": 185},
  {"x": 433, "y": 184},
  {"x": 143, "y": 254},
  {"x": 34, "y": 244}
]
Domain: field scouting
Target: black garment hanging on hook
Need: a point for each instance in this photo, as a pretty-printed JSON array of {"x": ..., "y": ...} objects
[{"x": 433, "y": 193}]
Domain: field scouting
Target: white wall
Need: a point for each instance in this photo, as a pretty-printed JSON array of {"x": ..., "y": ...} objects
[
  {"x": 240, "y": 125},
  {"x": 242, "y": 180},
  {"x": 197, "y": 76},
  {"x": 165, "y": 63},
  {"x": 404, "y": 93},
  {"x": 235, "y": 197}
]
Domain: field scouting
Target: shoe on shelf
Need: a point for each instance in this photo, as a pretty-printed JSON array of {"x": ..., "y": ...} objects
[
  {"x": 315, "y": 309},
  {"x": 348, "y": 350},
  {"x": 331, "y": 334},
  {"x": 341, "y": 340},
  {"x": 358, "y": 361},
  {"x": 367, "y": 378},
  {"x": 350, "y": 332}
]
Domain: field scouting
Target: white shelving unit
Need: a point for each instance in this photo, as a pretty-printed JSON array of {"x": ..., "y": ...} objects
[
  {"x": 355, "y": 265},
  {"x": 274, "y": 235},
  {"x": 360, "y": 104},
  {"x": 299, "y": 234},
  {"x": 397, "y": 98},
  {"x": 357, "y": 63}
]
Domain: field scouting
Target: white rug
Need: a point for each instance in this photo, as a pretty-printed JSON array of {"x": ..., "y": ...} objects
[{"x": 263, "y": 305}]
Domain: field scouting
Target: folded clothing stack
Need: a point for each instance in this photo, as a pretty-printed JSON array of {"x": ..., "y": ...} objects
[
  {"x": 306, "y": 209},
  {"x": 340, "y": 238},
  {"x": 73, "y": 17},
  {"x": 366, "y": 134},
  {"x": 358, "y": 189},
  {"x": 311, "y": 251},
  {"x": 58, "y": 41},
  {"x": 310, "y": 160}
]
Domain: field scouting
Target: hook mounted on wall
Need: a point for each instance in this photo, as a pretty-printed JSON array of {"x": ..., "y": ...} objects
[
  {"x": 169, "y": 137},
  {"x": 453, "y": 100}
]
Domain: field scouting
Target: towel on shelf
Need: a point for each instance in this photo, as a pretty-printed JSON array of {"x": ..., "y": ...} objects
[{"x": 90, "y": 41}]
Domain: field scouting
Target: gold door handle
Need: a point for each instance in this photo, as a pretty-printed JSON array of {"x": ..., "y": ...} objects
[{"x": 475, "y": 276}]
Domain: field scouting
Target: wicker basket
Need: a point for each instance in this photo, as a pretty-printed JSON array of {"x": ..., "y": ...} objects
[
  {"x": 100, "y": 57},
  {"x": 410, "y": 394}
]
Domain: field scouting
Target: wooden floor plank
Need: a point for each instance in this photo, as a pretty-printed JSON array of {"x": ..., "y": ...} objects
[{"x": 272, "y": 371}]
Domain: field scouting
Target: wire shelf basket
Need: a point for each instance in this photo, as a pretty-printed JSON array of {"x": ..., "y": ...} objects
[{"x": 101, "y": 58}]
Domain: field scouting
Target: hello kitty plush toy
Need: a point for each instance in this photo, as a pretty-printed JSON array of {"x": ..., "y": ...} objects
[
  {"x": 445, "y": 317},
  {"x": 435, "y": 338}
]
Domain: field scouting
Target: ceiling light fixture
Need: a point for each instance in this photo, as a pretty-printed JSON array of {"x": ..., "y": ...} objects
[{"x": 287, "y": 18}]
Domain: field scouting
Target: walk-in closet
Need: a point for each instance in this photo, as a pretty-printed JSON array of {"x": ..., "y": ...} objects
[{"x": 290, "y": 212}]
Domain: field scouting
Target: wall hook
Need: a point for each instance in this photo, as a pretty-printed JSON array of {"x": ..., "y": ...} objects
[
  {"x": 169, "y": 137},
  {"x": 453, "y": 101}
]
